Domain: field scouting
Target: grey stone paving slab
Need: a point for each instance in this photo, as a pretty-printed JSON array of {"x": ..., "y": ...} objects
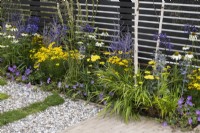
[{"x": 114, "y": 125}]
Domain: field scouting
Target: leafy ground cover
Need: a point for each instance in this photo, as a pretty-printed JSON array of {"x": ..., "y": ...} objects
[{"x": 17, "y": 114}]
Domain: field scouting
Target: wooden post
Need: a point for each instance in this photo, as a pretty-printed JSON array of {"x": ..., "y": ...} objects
[{"x": 136, "y": 38}]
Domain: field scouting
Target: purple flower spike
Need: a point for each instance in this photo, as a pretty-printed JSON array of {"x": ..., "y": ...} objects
[
  {"x": 48, "y": 80},
  {"x": 198, "y": 112},
  {"x": 190, "y": 121},
  {"x": 164, "y": 124}
]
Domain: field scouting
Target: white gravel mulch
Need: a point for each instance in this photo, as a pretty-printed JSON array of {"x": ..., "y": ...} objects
[{"x": 52, "y": 120}]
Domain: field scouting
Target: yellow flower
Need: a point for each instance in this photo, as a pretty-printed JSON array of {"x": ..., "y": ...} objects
[
  {"x": 120, "y": 52},
  {"x": 140, "y": 83},
  {"x": 147, "y": 72},
  {"x": 88, "y": 59},
  {"x": 95, "y": 58},
  {"x": 90, "y": 65},
  {"x": 121, "y": 63},
  {"x": 151, "y": 77},
  {"x": 152, "y": 62},
  {"x": 57, "y": 64},
  {"x": 102, "y": 63},
  {"x": 107, "y": 53}
]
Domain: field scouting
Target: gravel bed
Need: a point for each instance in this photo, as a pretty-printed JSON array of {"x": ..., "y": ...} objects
[
  {"x": 52, "y": 120},
  {"x": 21, "y": 95}
]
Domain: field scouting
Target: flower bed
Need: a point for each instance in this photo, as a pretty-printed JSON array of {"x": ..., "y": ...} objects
[{"x": 72, "y": 60}]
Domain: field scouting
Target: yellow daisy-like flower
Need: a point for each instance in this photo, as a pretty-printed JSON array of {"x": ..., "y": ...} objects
[
  {"x": 151, "y": 77},
  {"x": 120, "y": 52},
  {"x": 107, "y": 53},
  {"x": 95, "y": 58},
  {"x": 147, "y": 72}
]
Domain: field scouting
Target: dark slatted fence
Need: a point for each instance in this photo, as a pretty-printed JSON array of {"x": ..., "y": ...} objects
[{"x": 110, "y": 15}]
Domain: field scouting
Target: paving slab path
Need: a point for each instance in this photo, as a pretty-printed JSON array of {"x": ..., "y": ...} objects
[{"x": 114, "y": 125}]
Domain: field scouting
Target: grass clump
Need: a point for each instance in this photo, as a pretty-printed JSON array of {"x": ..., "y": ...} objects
[
  {"x": 18, "y": 114},
  {"x": 3, "y": 96}
]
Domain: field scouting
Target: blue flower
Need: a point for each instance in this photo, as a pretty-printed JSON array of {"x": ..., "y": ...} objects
[
  {"x": 66, "y": 86},
  {"x": 164, "y": 40},
  {"x": 88, "y": 28},
  {"x": 190, "y": 28}
]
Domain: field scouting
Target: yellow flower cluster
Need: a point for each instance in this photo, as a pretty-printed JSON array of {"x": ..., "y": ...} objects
[
  {"x": 194, "y": 78},
  {"x": 94, "y": 58},
  {"x": 118, "y": 61},
  {"x": 51, "y": 53}
]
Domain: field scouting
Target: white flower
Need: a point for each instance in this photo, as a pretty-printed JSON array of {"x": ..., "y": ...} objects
[
  {"x": 9, "y": 36},
  {"x": 189, "y": 56},
  {"x": 80, "y": 43},
  {"x": 104, "y": 34},
  {"x": 92, "y": 36},
  {"x": 176, "y": 56},
  {"x": 4, "y": 34},
  {"x": 8, "y": 26},
  {"x": 14, "y": 29},
  {"x": 99, "y": 44},
  {"x": 15, "y": 41},
  {"x": 193, "y": 37},
  {"x": 36, "y": 34},
  {"x": 24, "y": 34},
  {"x": 81, "y": 56},
  {"x": 1, "y": 34},
  {"x": 186, "y": 48},
  {"x": 2, "y": 46}
]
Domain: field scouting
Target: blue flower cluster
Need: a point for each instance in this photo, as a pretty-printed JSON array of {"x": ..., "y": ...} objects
[{"x": 164, "y": 40}]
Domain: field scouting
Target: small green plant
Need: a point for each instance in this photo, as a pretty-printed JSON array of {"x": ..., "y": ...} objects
[
  {"x": 3, "y": 96},
  {"x": 3, "y": 81}
]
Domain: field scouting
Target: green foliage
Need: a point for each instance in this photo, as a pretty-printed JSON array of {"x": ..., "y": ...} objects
[
  {"x": 3, "y": 81},
  {"x": 3, "y": 96},
  {"x": 14, "y": 115},
  {"x": 127, "y": 100}
]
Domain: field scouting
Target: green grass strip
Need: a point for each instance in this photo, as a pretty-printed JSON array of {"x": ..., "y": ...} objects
[
  {"x": 3, "y": 96},
  {"x": 14, "y": 115}
]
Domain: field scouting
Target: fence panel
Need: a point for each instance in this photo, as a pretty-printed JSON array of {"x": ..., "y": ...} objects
[{"x": 110, "y": 15}]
